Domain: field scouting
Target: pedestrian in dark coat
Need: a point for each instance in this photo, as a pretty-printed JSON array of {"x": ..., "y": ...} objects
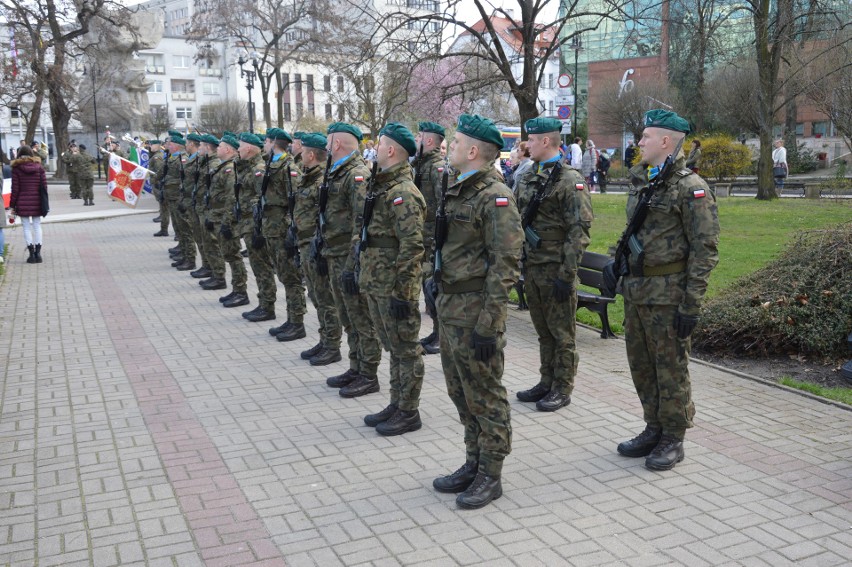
[{"x": 28, "y": 177}]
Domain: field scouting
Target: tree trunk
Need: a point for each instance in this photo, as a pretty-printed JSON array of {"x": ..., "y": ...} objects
[
  {"x": 60, "y": 115},
  {"x": 279, "y": 100},
  {"x": 767, "y": 69}
]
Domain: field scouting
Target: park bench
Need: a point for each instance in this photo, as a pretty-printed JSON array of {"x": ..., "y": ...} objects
[{"x": 591, "y": 275}]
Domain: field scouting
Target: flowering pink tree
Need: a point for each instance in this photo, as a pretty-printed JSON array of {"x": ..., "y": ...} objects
[{"x": 434, "y": 95}]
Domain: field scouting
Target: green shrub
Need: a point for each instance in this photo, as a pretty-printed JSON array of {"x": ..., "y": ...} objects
[
  {"x": 802, "y": 160},
  {"x": 723, "y": 157}
]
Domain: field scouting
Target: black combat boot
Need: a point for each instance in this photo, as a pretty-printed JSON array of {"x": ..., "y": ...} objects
[
  {"x": 400, "y": 422},
  {"x": 38, "y": 259},
  {"x": 31, "y": 259},
  {"x": 481, "y": 492},
  {"x": 376, "y": 418},
  {"x": 252, "y": 312},
  {"x": 642, "y": 444},
  {"x": 260, "y": 314},
  {"x": 325, "y": 357},
  {"x": 202, "y": 272},
  {"x": 534, "y": 394},
  {"x": 157, "y": 219},
  {"x": 294, "y": 332},
  {"x": 178, "y": 260},
  {"x": 432, "y": 343},
  {"x": 553, "y": 401},
  {"x": 342, "y": 380},
  {"x": 238, "y": 300},
  {"x": 457, "y": 481},
  {"x": 311, "y": 352},
  {"x": 228, "y": 297},
  {"x": 361, "y": 386},
  {"x": 280, "y": 329},
  {"x": 667, "y": 453},
  {"x": 214, "y": 283},
  {"x": 174, "y": 250},
  {"x": 185, "y": 266},
  {"x": 161, "y": 233}
]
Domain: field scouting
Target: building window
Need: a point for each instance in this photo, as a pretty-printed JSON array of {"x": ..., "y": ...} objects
[
  {"x": 181, "y": 61},
  {"x": 800, "y": 129},
  {"x": 311, "y": 109},
  {"x": 297, "y": 82},
  {"x": 309, "y": 79},
  {"x": 183, "y": 113},
  {"x": 328, "y": 112},
  {"x": 339, "y": 84},
  {"x": 210, "y": 89},
  {"x": 821, "y": 128},
  {"x": 285, "y": 80},
  {"x": 550, "y": 107},
  {"x": 156, "y": 87},
  {"x": 550, "y": 80},
  {"x": 341, "y": 115},
  {"x": 287, "y": 112},
  {"x": 326, "y": 83}
]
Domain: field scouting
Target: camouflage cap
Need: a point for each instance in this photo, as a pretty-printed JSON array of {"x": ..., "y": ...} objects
[
  {"x": 210, "y": 139},
  {"x": 177, "y": 140},
  {"x": 401, "y": 135},
  {"x": 667, "y": 120},
  {"x": 252, "y": 139},
  {"x": 480, "y": 128},
  {"x": 193, "y": 137},
  {"x": 229, "y": 139},
  {"x": 278, "y": 134},
  {"x": 314, "y": 140},
  {"x": 336, "y": 127},
  {"x": 542, "y": 125},
  {"x": 298, "y": 135},
  {"x": 432, "y": 127}
]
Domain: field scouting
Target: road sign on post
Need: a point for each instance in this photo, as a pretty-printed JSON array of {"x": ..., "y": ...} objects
[
  {"x": 564, "y": 81},
  {"x": 566, "y": 127},
  {"x": 563, "y": 112}
]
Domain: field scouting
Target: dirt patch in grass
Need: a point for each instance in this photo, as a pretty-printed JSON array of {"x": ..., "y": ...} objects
[{"x": 774, "y": 368}]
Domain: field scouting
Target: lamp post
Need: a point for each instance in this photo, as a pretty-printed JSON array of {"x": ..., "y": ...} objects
[
  {"x": 95, "y": 71},
  {"x": 577, "y": 46},
  {"x": 249, "y": 76}
]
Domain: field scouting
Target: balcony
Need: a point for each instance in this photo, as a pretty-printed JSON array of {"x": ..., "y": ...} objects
[
  {"x": 204, "y": 72},
  {"x": 183, "y": 96},
  {"x": 155, "y": 69}
]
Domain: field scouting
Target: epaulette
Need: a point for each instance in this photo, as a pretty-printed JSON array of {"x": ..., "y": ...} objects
[{"x": 683, "y": 172}]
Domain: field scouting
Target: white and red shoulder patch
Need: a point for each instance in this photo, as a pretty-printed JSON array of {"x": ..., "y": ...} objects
[
  {"x": 698, "y": 194},
  {"x": 579, "y": 186},
  {"x": 228, "y": 170},
  {"x": 440, "y": 170},
  {"x": 501, "y": 201},
  {"x": 294, "y": 173},
  {"x": 359, "y": 179},
  {"x": 258, "y": 173},
  {"x": 397, "y": 201}
]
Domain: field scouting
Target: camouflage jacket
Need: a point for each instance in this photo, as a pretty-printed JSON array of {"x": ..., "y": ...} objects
[
  {"x": 251, "y": 175},
  {"x": 68, "y": 158},
  {"x": 306, "y": 210},
  {"x": 42, "y": 153},
  {"x": 563, "y": 219},
  {"x": 189, "y": 168},
  {"x": 432, "y": 166},
  {"x": 204, "y": 165},
  {"x": 177, "y": 161},
  {"x": 484, "y": 243},
  {"x": 347, "y": 187},
  {"x": 276, "y": 213},
  {"x": 220, "y": 208},
  {"x": 682, "y": 226},
  {"x": 391, "y": 264},
  {"x": 83, "y": 163}
]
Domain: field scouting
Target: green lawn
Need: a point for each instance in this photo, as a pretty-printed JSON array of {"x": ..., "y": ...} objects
[
  {"x": 839, "y": 394},
  {"x": 753, "y": 233}
]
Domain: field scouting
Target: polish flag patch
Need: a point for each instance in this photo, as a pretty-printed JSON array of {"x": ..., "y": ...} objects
[
  {"x": 440, "y": 170},
  {"x": 359, "y": 179},
  {"x": 579, "y": 186},
  {"x": 397, "y": 201},
  {"x": 294, "y": 174},
  {"x": 698, "y": 194},
  {"x": 228, "y": 170},
  {"x": 501, "y": 201},
  {"x": 258, "y": 173}
]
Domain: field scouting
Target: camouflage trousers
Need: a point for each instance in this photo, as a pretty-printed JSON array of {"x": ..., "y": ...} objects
[
  {"x": 74, "y": 185},
  {"x": 319, "y": 292},
  {"x": 210, "y": 246},
  {"x": 476, "y": 388},
  {"x": 87, "y": 188},
  {"x": 406, "y": 361},
  {"x": 180, "y": 221},
  {"x": 659, "y": 365},
  {"x": 164, "y": 212},
  {"x": 290, "y": 276},
  {"x": 230, "y": 249},
  {"x": 556, "y": 327},
  {"x": 365, "y": 354},
  {"x": 264, "y": 273},
  {"x": 197, "y": 226}
]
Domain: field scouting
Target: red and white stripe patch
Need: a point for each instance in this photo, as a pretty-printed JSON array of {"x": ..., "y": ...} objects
[
  {"x": 294, "y": 173},
  {"x": 228, "y": 170},
  {"x": 258, "y": 173},
  {"x": 579, "y": 186},
  {"x": 501, "y": 201},
  {"x": 397, "y": 201},
  {"x": 359, "y": 179},
  {"x": 698, "y": 194},
  {"x": 440, "y": 170}
]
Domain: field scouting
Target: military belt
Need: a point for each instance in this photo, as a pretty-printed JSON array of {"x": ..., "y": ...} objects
[
  {"x": 382, "y": 242},
  {"x": 665, "y": 269},
  {"x": 338, "y": 240},
  {"x": 551, "y": 235},
  {"x": 475, "y": 284}
]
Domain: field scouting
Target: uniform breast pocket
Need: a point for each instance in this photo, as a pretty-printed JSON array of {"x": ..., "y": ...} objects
[
  {"x": 334, "y": 188},
  {"x": 464, "y": 214},
  {"x": 661, "y": 203}
]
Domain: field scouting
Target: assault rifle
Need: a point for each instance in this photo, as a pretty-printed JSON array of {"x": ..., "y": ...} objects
[
  {"x": 258, "y": 241},
  {"x": 196, "y": 176},
  {"x": 318, "y": 242},
  {"x": 238, "y": 184},
  {"x": 291, "y": 241},
  {"x": 369, "y": 206},
  {"x": 181, "y": 206},
  {"x": 418, "y": 171},
  {"x": 162, "y": 182},
  {"x": 530, "y": 234},
  {"x": 430, "y": 286}
]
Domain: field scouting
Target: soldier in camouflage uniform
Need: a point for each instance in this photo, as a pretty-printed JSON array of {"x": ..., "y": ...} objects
[
  {"x": 220, "y": 219},
  {"x": 41, "y": 151},
  {"x": 115, "y": 147},
  {"x": 391, "y": 276},
  {"x": 184, "y": 259},
  {"x": 348, "y": 180},
  {"x": 307, "y": 184},
  {"x": 562, "y": 223},
  {"x": 296, "y": 149},
  {"x": 209, "y": 238},
  {"x": 276, "y": 223},
  {"x": 71, "y": 170},
  {"x": 83, "y": 162},
  {"x": 430, "y": 168},
  {"x": 156, "y": 161},
  {"x": 185, "y": 206},
  {"x": 663, "y": 295},
  {"x": 480, "y": 265}
]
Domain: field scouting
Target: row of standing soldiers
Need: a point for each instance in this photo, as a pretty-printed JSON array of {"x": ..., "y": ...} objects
[
  {"x": 81, "y": 178},
  {"x": 367, "y": 241}
]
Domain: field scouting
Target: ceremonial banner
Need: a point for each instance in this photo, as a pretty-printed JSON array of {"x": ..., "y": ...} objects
[
  {"x": 143, "y": 161},
  {"x": 125, "y": 180},
  {"x": 7, "y": 189}
]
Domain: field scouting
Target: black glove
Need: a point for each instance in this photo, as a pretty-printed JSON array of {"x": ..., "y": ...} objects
[
  {"x": 226, "y": 231},
  {"x": 684, "y": 324},
  {"x": 258, "y": 241},
  {"x": 208, "y": 224},
  {"x": 182, "y": 208},
  {"x": 399, "y": 308},
  {"x": 562, "y": 290},
  {"x": 322, "y": 266},
  {"x": 350, "y": 283},
  {"x": 610, "y": 279},
  {"x": 484, "y": 347}
]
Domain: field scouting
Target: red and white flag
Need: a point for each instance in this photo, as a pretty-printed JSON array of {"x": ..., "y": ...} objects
[{"x": 125, "y": 180}]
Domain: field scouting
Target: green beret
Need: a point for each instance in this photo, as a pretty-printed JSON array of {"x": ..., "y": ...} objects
[
  {"x": 210, "y": 139},
  {"x": 314, "y": 140},
  {"x": 152, "y": 142},
  {"x": 172, "y": 133},
  {"x": 667, "y": 120},
  {"x": 480, "y": 128},
  {"x": 177, "y": 140},
  {"x": 432, "y": 127},
  {"x": 347, "y": 128},
  {"x": 252, "y": 139},
  {"x": 401, "y": 135},
  {"x": 298, "y": 135},
  {"x": 193, "y": 137},
  {"x": 230, "y": 140},
  {"x": 278, "y": 134},
  {"x": 542, "y": 125},
  {"x": 229, "y": 133}
]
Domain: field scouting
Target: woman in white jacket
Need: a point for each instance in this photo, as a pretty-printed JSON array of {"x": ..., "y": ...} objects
[{"x": 590, "y": 165}]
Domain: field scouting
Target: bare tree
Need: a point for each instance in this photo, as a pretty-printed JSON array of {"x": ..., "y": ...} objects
[
  {"x": 220, "y": 116},
  {"x": 159, "y": 121},
  {"x": 833, "y": 97},
  {"x": 624, "y": 109}
]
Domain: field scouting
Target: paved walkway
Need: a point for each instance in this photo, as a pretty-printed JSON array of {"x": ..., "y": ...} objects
[{"x": 143, "y": 424}]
